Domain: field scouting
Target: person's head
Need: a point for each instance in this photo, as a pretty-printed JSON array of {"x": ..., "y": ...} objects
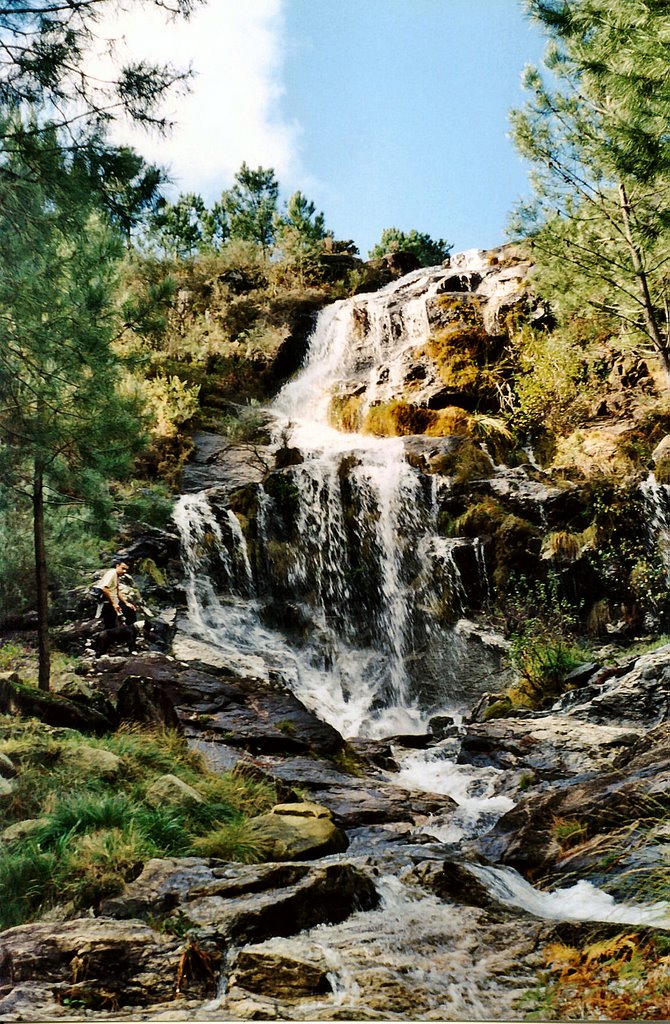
[{"x": 121, "y": 568}]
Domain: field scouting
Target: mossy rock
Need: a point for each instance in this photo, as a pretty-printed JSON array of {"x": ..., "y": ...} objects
[
  {"x": 286, "y": 496},
  {"x": 295, "y": 832},
  {"x": 51, "y": 708},
  {"x": 480, "y": 520},
  {"x": 517, "y": 549},
  {"x": 168, "y": 789}
]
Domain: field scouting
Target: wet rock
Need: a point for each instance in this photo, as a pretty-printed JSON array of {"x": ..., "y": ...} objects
[
  {"x": 486, "y": 655},
  {"x": 523, "y": 494},
  {"x": 454, "y": 882},
  {"x": 104, "y": 962},
  {"x": 168, "y": 789},
  {"x": 354, "y": 800},
  {"x": 267, "y": 719},
  {"x": 237, "y": 903},
  {"x": 300, "y": 831},
  {"x": 146, "y": 703},
  {"x": 442, "y": 727},
  {"x": 635, "y": 695},
  {"x": 219, "y": 462},
  {"x": 552, "y": 746},
  {"x": 431, "y": 454},
  {"x": 266, "y": 969},
  {"x": 158, "y": 545},
  {"x": 256, "y": 715},
  {"x": 7, "y": 767},
  {"x": 376, "y": 753},
  {"x": 218, "y": 757},
  {"x": 526, "y": 837}
]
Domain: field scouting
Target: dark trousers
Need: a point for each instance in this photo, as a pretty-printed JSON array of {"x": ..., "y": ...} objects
[{"x": 116, "y": 628}]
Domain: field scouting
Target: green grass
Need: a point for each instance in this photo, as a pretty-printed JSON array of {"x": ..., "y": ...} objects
[{"x": 97, "y": 833}]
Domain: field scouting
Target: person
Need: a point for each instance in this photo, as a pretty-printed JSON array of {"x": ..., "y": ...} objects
[{"x": 118, "y": 614}]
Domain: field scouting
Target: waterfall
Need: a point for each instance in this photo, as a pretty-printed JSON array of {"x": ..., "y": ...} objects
[
  {"x": 345, "y": 542},
  {"x": 657, "y": 499}
]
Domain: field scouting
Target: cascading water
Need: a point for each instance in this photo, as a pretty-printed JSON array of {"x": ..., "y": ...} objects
[
  {"x": 358, "y": 553},
  {"x": 657, "y": 499}
]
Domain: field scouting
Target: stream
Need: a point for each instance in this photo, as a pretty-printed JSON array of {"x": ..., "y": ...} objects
[{"x": 350, "y": 538}]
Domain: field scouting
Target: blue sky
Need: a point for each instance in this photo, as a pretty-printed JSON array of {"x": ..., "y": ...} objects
[{"x": 384, "y": 112}]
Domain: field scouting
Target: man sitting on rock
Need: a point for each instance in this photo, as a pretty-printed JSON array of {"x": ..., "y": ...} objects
[{"x": 118, "y": 615}]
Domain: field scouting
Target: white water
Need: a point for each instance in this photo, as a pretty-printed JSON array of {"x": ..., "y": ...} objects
[
  {"x": 657, "y": 500},
  {"x": 367, "y": 566},
  {"x": 580, "y": 902}
]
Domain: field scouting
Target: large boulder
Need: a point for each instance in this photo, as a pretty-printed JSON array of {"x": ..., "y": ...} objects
[
  {"x": 270, "y": 971},
  {"x": 234, "y": 903},
  {"x": 93, "y": 762},
  {"x": 300, "y": 831},
  {"x": 549, "y": 747},
  {"x": 146, "y": 703},
  {"x": 529, "y": 837},
  {"x": 634, "y": 695},
  {"x": 96, "y": 963}
]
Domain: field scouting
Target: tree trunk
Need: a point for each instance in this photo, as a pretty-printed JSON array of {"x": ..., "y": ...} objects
[
  {"x": 41, "y": 578},
  {"x": 659, "y": 342}
]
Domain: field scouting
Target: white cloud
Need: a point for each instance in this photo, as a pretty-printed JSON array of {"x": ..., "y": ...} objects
[{"x": 233, "y": 112}]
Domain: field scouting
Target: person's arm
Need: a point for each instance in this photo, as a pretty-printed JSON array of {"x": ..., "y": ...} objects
[
  {"x": 122, "y": 599},
  {"x": 110, "y": 597}
]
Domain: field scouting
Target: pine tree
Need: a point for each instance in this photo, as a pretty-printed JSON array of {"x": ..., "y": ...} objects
[
  {"x": 428, "y": 251},
  {"x": 251, "y": 205},
  {"x": 43, "y": 61},
  {"x": 300, "y": 233},
  {"x": 596, "y": 134},
  {"x": 65, "y": 425}
]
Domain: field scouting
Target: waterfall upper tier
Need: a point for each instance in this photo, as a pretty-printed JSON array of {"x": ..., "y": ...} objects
[{"x": 341, "y": 575}]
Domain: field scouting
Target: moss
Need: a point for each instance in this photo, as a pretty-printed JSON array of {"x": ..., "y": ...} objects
[
  {"x": 286, "y": 496},
  {"x": 148, "y": 567},
  {"x": 662, "y": 470},
  {"x": 599, "y": 617},
  {"x": 281, "y": 556},
  {"x": 244, "y": 502},
  {"x": 345, "y": 413},
  {"x": 480, "y": 519},
  {"x": 396, "y": 419},
  {"x": 565, "y": 546},
  {"x": 517, "y": 548}
]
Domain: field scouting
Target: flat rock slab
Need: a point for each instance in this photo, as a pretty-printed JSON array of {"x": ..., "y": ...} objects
[
  {"x": 636, "y": 695},
  {"x": 255, "y": 715},
  {"x": 553, "y": 747},
  {"x": 217, "y": 462},
  {"x": 236, "y": 903},
  {"x": 354, "y": 800}
]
